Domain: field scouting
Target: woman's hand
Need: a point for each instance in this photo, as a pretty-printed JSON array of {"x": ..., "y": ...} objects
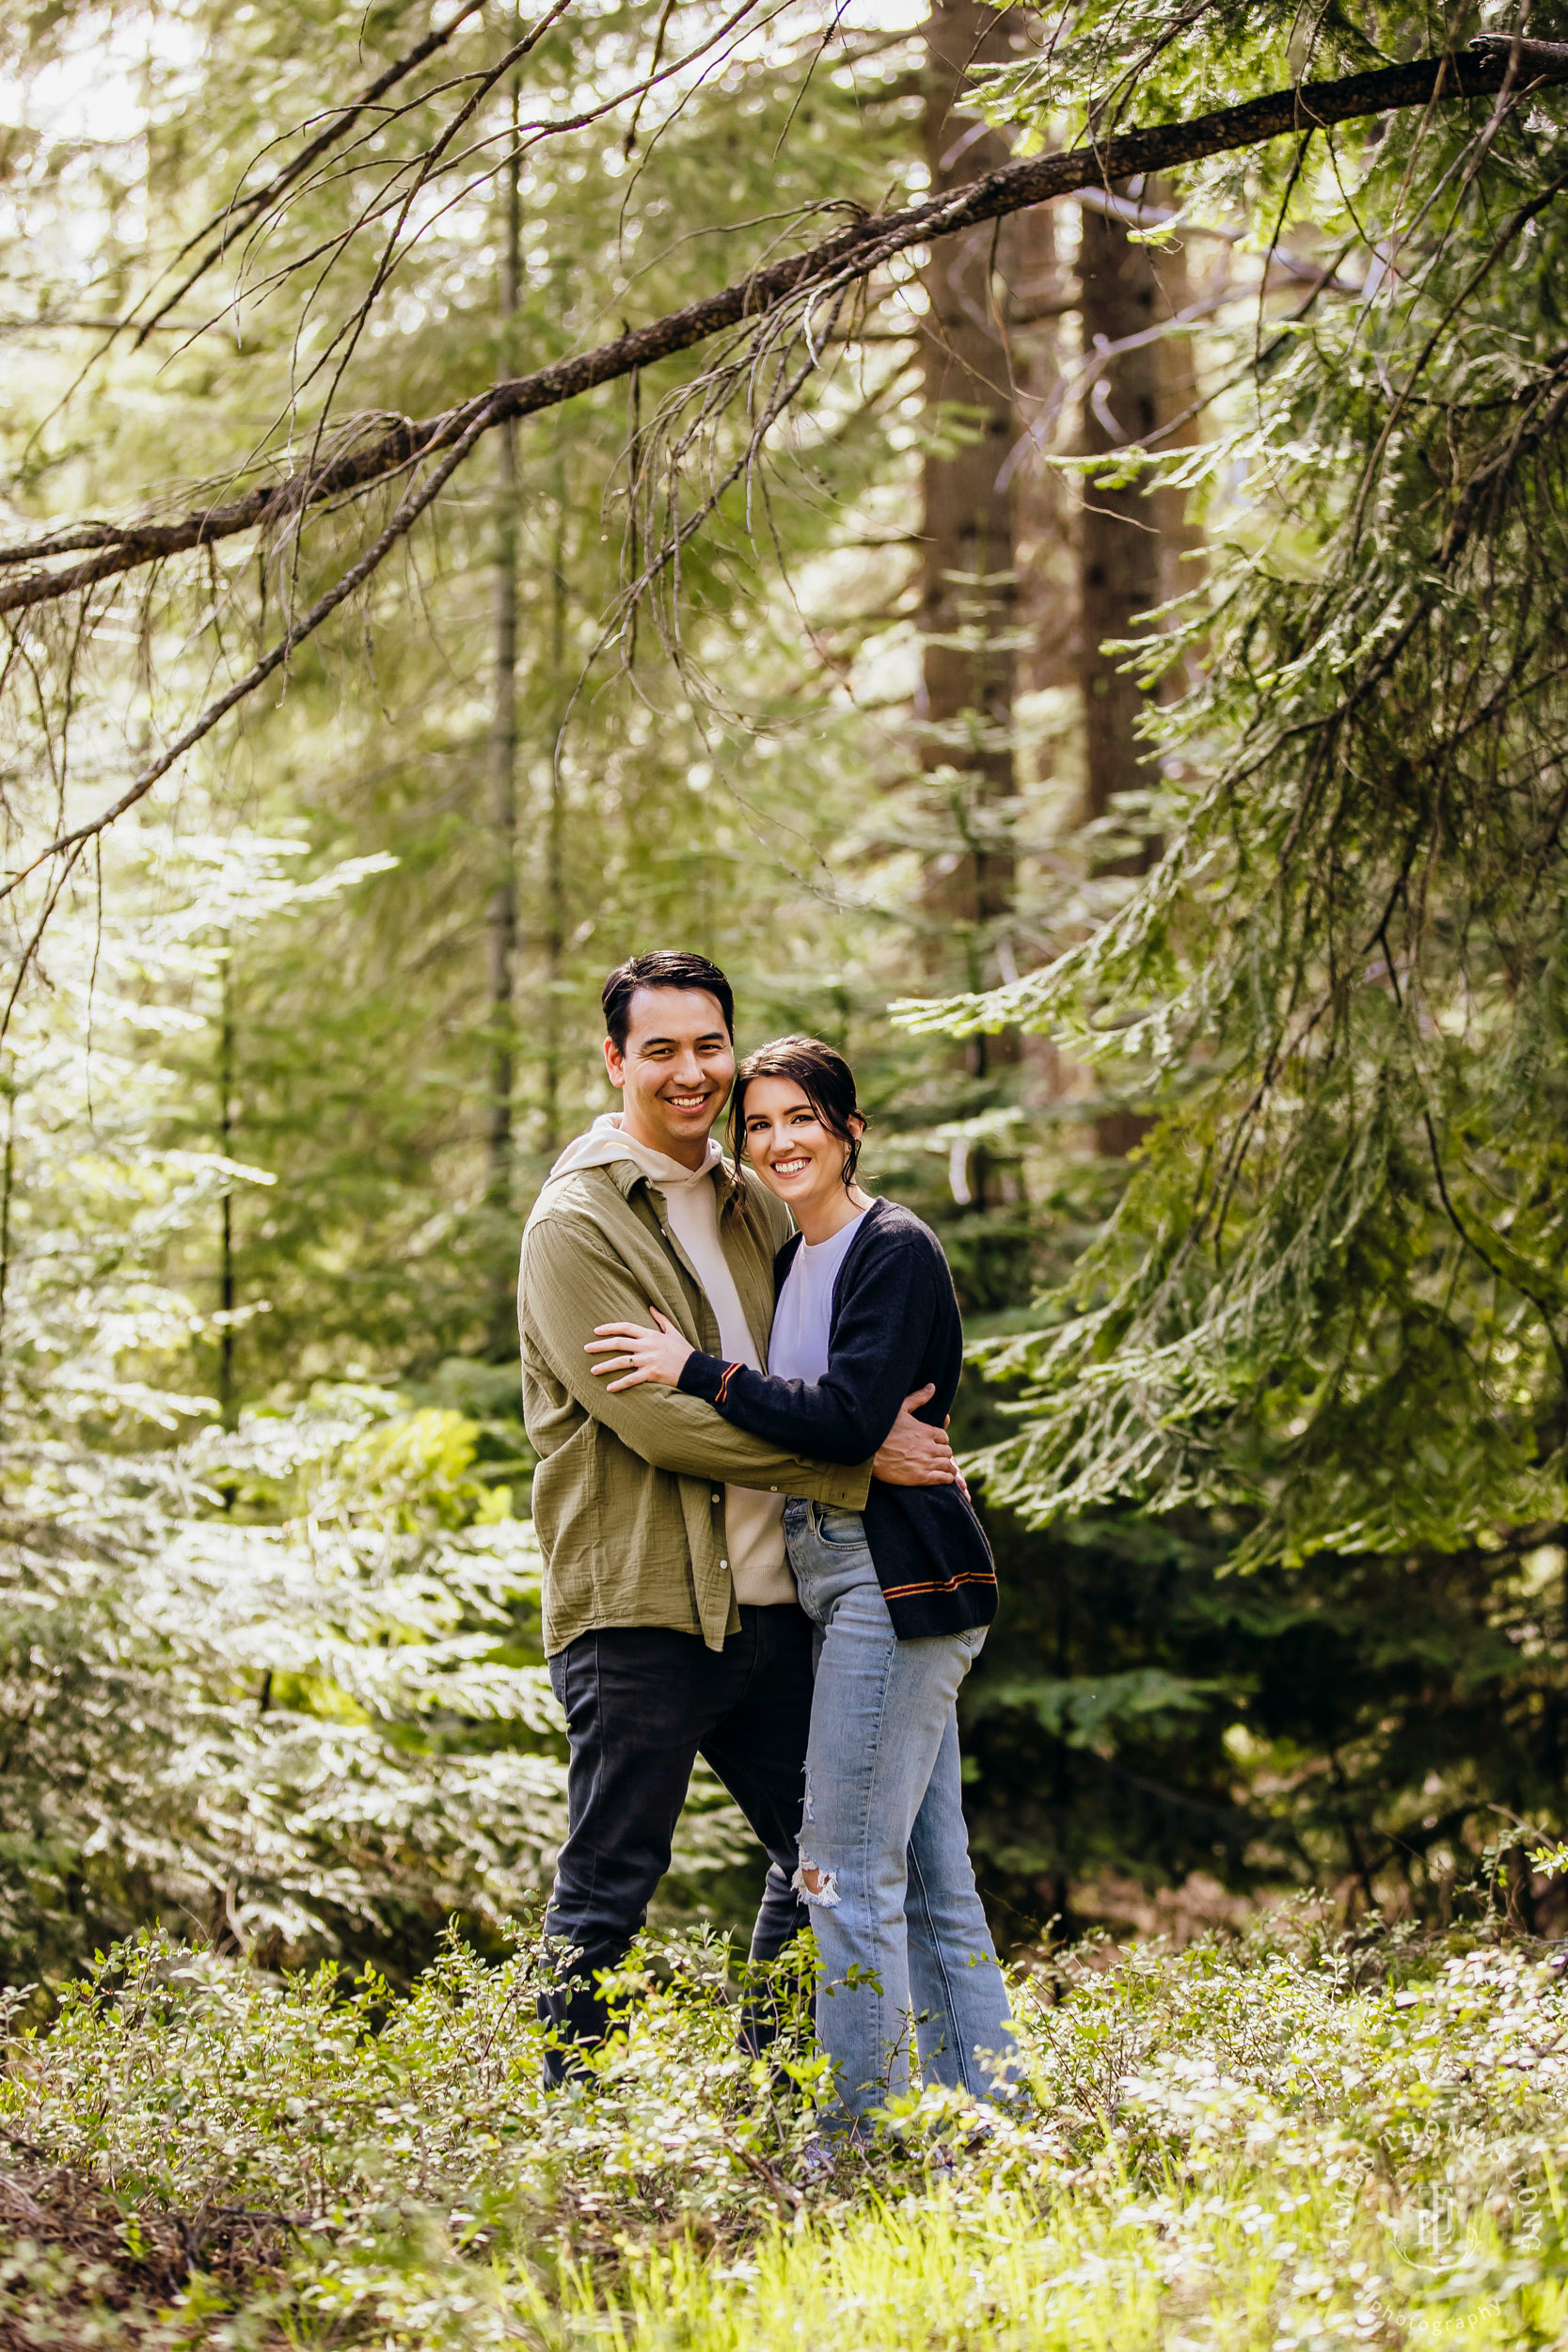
[{"x": 637, "y": 1354}]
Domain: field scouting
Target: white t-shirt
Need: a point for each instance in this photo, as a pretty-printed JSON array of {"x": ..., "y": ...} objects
[{"x": 803, "y": 1316}]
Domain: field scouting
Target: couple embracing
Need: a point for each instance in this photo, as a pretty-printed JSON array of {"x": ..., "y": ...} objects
[{"x": 737, "y": 1373}]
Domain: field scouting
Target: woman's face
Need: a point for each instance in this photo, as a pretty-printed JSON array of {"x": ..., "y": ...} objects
[{"x": 794, "y": 1153}]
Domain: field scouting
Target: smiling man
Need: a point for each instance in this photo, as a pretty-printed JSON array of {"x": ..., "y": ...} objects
[{"x": 670, "y": 1621}]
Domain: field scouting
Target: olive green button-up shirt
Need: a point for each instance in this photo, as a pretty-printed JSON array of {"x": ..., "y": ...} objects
[{"x": 628, "y": 1497}]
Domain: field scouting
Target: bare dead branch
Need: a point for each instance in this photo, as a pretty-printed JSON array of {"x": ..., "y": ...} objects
[
  {"x": 236, "y": 217},
  {"x": 408, "y": 181},
  {"x": 855, "y": 252},
  {"x": 71, "y": 844}
]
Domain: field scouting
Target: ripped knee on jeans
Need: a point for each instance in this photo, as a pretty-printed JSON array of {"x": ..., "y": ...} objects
[{"x": 816, "y": 1886}]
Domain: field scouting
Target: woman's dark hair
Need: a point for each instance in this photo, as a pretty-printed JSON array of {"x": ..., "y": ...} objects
[
  {"x": 664, "y": 967},
  {"x": 823, "y": 1076}
]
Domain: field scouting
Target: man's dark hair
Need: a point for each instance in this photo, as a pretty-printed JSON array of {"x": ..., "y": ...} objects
[{"x": 666, "y": 967}]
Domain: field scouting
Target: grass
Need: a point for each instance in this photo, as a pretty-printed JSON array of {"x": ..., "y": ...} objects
[{"x": 1294, "y": 2140}]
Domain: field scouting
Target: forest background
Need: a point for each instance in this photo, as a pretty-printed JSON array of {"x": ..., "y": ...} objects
[{"x": 1126, "y": 629}]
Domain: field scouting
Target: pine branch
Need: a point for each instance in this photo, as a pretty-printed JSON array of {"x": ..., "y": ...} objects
[{"x": 1493, "y": 65}]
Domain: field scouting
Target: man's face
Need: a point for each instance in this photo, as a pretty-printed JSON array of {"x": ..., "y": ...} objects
[{"x": 676, "y": 1071}]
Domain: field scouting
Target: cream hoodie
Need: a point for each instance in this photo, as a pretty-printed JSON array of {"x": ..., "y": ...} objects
[{"x": 753, "y": 1523}]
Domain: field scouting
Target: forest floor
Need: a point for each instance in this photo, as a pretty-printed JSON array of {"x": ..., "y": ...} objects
[{"x": 1288, "y": 2139}]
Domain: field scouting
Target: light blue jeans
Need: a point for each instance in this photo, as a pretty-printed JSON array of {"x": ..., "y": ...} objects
[{"x": 884, "y": 1821}]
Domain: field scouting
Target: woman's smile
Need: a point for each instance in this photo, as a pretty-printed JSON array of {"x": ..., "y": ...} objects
[{"x": 799, "y": 1157}]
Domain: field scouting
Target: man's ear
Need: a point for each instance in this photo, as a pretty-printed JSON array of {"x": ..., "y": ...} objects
[{"x": 614, "y": 1062}]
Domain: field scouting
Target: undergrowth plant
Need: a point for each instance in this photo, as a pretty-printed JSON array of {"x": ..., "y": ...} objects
[{"x": 1294, "y": 2140}]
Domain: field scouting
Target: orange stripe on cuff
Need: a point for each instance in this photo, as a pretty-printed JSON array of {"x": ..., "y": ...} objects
[{"x": 974, "y": 1576}]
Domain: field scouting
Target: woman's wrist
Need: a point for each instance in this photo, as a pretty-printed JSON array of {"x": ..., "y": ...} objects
[{"x": 703, "y": 1376}]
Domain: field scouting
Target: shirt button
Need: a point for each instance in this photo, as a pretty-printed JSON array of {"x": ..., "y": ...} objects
[
  {"x": 717, "y": 1495},
  {"x": 723, "y": 1563}
]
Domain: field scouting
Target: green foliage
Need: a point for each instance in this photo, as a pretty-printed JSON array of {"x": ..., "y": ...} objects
[
  {"x": 285, "y": 1679},
  {"x": 286, "y": 1676},
  {"x": 1334, "y": 1292},
  {"x": 282, "y": 1677},
  {"x": 255, "y": 1680},
  {"x": 1302, "y": 2140},
  {"x": 1111, "y": 63},
  {"x": 697, "y": 778},
  {"x": 1145, "y": 1713},
  {"x": 248, "y": 1085}
]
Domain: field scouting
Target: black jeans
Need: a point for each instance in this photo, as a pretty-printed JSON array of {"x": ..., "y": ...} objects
[{"x": 642, "y": 1703}]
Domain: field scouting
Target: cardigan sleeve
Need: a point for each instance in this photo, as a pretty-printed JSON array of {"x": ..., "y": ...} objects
[
  {"x": 572, "y": 1281},
  {"x": 881, "y": 1334}
]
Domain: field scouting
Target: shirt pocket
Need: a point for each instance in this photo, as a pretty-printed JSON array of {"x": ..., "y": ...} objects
[{"x": 566, "y": 1485}]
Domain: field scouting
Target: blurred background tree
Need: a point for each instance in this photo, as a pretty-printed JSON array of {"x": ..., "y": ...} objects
[{"x": 1270, "y": 1294}]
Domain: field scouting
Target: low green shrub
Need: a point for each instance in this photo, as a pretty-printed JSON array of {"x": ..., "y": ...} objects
[{"x": 1291, "y": 2141}]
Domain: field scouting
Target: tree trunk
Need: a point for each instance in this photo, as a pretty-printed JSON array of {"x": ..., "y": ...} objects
[
  {"x": 228, "y": 1293},
  {"x": 7, "y": 1186},
  {"x": 968, "y": 585},
  {"x": 969, "y": 602},
  {"x": 501, "y": 924},
  {"x": 1120, "y": 561},
  {"x": 554, "y": 916},
  {"x": 1121, "y": 547}
]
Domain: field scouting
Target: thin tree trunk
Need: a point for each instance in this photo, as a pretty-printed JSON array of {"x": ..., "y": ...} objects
[
  {"x": 7, "y": 1183},
  {"x": 969, "y": 602},
  {"x": 555, "y": 847},
  {"x": 227, "y": 1285},
  {"x": 969, "y": 583},
  {"x": 1120, "y": 561},
  {"x": 1121, "y": 546},
  {"x": 1181, "y": 540},
  {"x": 502, "y": 913}
]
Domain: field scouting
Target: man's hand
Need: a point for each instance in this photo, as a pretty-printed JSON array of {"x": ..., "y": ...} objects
[{"x": 913, "y": 1453}]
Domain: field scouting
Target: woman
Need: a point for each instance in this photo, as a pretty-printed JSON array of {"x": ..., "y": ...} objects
[{"x": 900, "y": 1594}]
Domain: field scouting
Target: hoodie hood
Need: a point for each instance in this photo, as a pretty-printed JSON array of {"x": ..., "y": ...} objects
[{"x": 605, "y": 1143}]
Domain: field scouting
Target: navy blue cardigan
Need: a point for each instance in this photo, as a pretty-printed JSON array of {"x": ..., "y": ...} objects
[{"x": 894, "y": 1326}]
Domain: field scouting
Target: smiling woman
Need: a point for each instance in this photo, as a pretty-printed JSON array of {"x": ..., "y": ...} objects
[{"x": 795, "y": 1118}]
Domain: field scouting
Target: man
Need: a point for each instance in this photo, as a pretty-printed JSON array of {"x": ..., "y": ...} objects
[{"x": 670, "y": 1621}]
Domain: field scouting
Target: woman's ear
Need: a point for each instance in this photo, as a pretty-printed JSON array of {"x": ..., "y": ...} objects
[{"x": 856, "y": 1125}]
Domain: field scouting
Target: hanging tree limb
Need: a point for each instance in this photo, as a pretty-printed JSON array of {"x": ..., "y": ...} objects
[
  {"x": 797, "y": 286},
  {"x": 855, "y": 252},
  {"x": 418, "y": 498}
]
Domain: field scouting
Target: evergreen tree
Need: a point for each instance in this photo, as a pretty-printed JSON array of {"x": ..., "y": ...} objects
[
  {"x": 1328, "y": 1311},
  {"x": 1283, "y": 877}
]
